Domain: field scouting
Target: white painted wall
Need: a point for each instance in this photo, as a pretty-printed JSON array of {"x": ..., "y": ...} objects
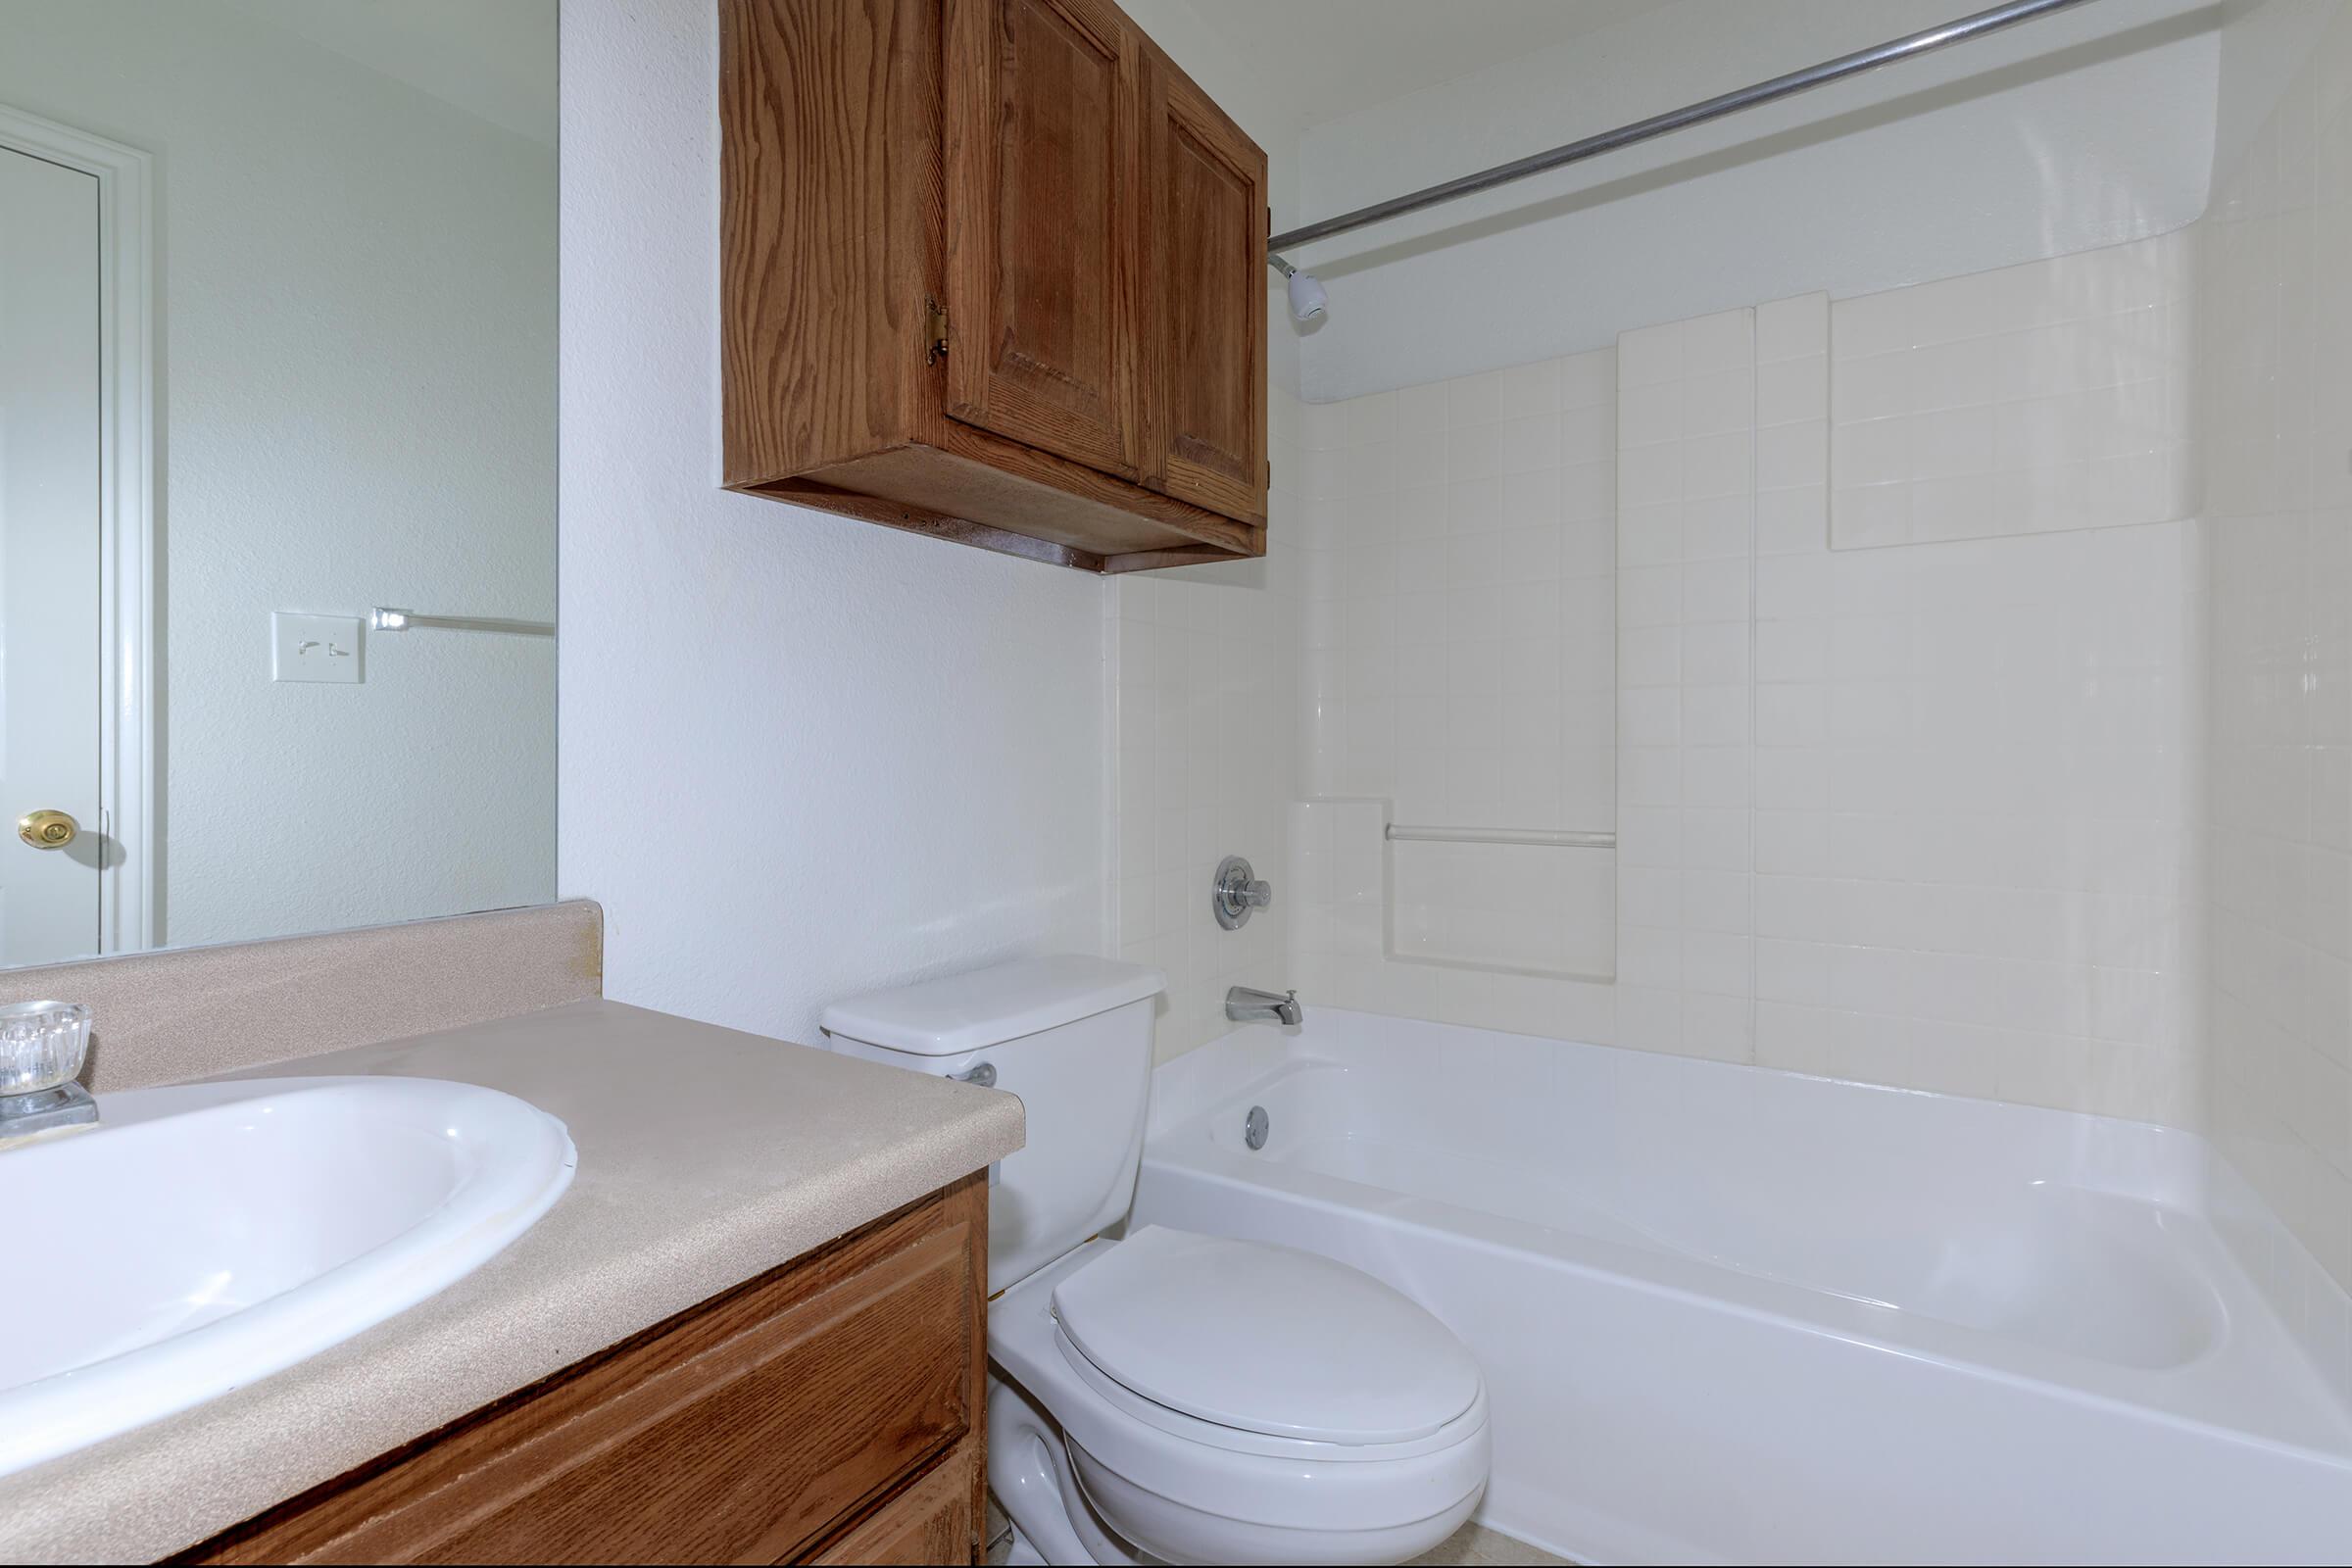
[
  {"x": 356, "y": 407},
  {"x": 802, "y": 755},
  {"x": 1208, "y": 757},
  {"x": 2076, "y": 131}
]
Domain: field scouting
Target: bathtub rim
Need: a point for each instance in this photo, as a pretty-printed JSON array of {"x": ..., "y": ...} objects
[{"x": 2256, "y": 1351}]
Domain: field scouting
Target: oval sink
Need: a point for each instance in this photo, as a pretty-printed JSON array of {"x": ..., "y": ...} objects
[{"x": 207, "y": 1235}]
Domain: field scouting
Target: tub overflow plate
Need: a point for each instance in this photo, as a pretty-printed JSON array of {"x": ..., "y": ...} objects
[{"x": 1253, "y": 1127}]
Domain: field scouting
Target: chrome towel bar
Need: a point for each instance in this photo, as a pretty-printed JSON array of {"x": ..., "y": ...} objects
[{"x": 385, "y": 618}]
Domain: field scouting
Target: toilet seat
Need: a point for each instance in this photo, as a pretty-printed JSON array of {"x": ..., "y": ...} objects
[
  {"x": 1173, "y": 1482},
  {"x": 1209, "y": 1434},
  {"x": 1249, "y": 1338}
]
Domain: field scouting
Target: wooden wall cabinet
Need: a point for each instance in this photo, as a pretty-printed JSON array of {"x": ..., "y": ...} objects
[
  {"x": 994, "y": 270},
  {"x": 828, "y": 1411}
]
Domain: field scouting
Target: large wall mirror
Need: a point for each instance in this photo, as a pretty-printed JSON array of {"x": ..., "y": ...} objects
[{"x": 277, "y": 466}]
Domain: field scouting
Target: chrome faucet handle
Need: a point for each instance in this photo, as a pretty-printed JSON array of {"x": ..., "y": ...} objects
[{"x": 1238, "y": 892}]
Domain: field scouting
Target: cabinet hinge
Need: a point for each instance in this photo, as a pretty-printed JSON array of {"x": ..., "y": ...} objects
[{"x": 935, "y": 331}]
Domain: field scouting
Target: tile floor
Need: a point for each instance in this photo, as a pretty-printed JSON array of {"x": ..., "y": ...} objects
[{"x": 1476, "y": 1546}]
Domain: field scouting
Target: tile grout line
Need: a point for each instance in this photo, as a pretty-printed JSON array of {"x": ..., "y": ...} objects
[{"x": 1755, "y": 442}]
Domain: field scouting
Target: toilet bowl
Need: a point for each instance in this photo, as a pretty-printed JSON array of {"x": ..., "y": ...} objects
[
  {"x": 1112, "y": 1474},
  {"x": 1171, "y": 1397}
]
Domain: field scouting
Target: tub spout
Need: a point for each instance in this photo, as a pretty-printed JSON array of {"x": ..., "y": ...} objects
[{"x": 1247, "y": 1005}]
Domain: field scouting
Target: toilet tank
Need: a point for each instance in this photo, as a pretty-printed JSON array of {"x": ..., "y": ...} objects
[{"x": 1072, "y": 1037}]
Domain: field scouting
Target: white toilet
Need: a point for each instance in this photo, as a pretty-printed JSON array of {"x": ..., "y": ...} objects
[{"x": 1171, "y": 1397}]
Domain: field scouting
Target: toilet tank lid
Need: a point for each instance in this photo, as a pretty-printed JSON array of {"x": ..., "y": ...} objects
[{"x": 983, "y": 1008}]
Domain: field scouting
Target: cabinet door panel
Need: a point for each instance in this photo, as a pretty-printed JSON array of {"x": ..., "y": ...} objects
[
  {"x": 1044, "y": 123},
  {"x": 1208, "y": 286},
  {"x": 745, "y": 1430},
  {"x": 931, "y": 1521}
]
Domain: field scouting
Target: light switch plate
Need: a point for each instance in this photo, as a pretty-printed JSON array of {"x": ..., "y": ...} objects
[{"x": 306, "y": 647}]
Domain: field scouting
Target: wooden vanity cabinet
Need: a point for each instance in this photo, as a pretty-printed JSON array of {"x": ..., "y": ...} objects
[
  {"x": 827, "y": 1411},
  {"x": 994, "y": 270}
]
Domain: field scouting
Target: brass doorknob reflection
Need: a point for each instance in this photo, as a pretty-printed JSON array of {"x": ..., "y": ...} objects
[{"x": 47, "y": 830}]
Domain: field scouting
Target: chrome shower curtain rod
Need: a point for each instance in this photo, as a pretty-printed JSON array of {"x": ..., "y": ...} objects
[{"x": 1697, "y": 114}]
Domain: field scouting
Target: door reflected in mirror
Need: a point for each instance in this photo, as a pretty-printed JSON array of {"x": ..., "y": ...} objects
[{"x": 277, "y": 459}]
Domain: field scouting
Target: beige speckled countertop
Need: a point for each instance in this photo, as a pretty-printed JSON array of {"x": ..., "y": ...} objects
[{"x": 707, "y": 1156}]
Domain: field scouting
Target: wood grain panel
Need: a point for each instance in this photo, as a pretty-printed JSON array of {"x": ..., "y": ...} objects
[
  {"x": 1198, "y": 556},
  {"x": 829, "y": 221},
  {"x": 1043, "y": 119},
  {"x": 913, "y": 518},
  {"x": 1024, "y": 164},
  {"x": 945, "y": 481},
  {"x": 934, "y": 1520},
  {"x": 743, "y": 1431},
  {"x": 1208, "y": 267}
]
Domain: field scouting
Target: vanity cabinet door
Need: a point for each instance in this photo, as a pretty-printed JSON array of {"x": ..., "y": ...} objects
[
  {"x": 1043, "y": 121},
  {"x": 833, "y": 1405},
  {"x": 1207, "y": 295},
  {"x": 931, "y": 1521}
]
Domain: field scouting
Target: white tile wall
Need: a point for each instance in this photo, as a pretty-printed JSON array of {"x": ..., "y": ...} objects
[
  {"x": 1457, "y": 649},
  {"x": 1971, "y": 772},
  {"x": 1458, "y": 663},
  {"x": 2276, "y": 419},
  {"x": 2054, "y": 395},
  {"x": 1536, "y": 908},
  {"x": 1918, "y": 814},
  {"x": 1206, "y": 762},
  {"x": 1913, "y": 815},
  {"x": 1344, "y": 878},
  {"x": 1686, "y": 554}
]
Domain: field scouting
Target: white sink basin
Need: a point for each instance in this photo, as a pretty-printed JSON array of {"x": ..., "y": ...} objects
[{"x": 207, "y": 1235}]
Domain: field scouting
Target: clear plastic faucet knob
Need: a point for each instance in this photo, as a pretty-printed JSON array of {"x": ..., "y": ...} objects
[{"x": 42, "y": 1045}]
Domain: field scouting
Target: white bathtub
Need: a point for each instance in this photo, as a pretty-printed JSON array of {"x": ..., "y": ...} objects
[{"x": 1732, "y": 1314}]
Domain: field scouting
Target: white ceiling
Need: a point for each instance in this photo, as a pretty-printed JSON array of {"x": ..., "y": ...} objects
[{"x": 1329, "y": 58}]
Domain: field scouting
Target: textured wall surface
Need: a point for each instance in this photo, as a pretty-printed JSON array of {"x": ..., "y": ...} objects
[
  {"x": 1207, "y": 754},
  {"x": 803, "y": 756},
  {"x": 355, "y": 406}
]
